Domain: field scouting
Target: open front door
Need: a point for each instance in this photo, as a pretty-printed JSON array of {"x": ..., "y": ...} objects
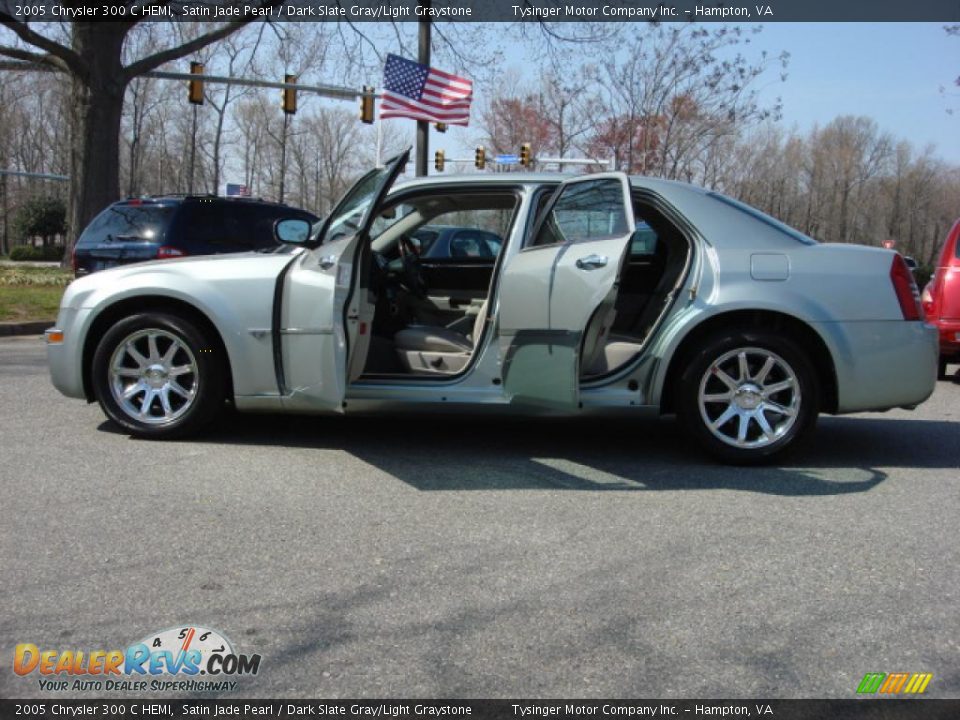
[
  {"x": 566, "y": 274},
  {"x": 318, "y": 327}
]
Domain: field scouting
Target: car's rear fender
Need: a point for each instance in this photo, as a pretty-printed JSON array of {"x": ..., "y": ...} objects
[{"x": 684, "y": 334}]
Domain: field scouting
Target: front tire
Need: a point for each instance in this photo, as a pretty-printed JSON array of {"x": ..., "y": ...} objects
[
  {"x": 158, "y": 376},
  {"x": 748, "y": 397}
]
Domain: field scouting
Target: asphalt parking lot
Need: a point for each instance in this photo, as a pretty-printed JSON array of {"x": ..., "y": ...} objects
[{"x": 451, "y": 557}]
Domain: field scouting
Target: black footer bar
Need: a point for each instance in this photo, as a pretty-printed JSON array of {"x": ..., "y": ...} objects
[{"x": 854, "y": 709}]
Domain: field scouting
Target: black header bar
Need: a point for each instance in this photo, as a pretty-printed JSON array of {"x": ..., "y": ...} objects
[{"x": 524, "y": 11}]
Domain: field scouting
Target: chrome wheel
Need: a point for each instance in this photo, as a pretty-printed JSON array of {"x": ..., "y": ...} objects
[
  {"x": 749, "y": 398},
  {"x": 153, "y": 376}
]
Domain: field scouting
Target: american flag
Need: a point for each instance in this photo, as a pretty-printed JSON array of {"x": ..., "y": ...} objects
[
  {"x": 237, "y": 190},
  {"x": 416, "y": 91}
]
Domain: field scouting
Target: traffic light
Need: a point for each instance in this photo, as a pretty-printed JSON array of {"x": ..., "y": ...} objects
[
  {"x": 438, "y": 160},
  {"x": 290, "y": 95},
  {"x": 525, "y": 155},
  {"x": 440, "y": 127},
  {"x": 195, "y": 91},
  {"x": 366, "y": 105},
  {"x": 480, "y": 158}
]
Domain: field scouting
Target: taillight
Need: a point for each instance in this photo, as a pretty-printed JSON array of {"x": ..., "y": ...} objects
[
  {"x": 926, "y": 300},
  {"x": 169, "y": 251},
  {"x": 906, "y": 288}
]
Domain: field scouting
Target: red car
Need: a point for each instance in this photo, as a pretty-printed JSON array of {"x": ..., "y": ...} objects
[{"x": 941, "y": 300}]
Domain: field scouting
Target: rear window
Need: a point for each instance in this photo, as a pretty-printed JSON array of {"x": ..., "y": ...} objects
[
  {"x": 128, "y": 223},
  {"x": 764, "y": 218}
]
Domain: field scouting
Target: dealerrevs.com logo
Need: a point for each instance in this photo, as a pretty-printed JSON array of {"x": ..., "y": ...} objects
[{"x": 174, "y": 659}]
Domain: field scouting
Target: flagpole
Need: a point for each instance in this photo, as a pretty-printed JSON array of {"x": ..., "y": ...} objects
[
  {"x": 379, "y": 140},
  {"x": 423, "y": 127}
]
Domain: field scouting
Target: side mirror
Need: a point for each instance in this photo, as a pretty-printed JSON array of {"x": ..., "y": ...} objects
[
  {"x": 911, "y": 263},
  {"x": 293, "y": 231}
]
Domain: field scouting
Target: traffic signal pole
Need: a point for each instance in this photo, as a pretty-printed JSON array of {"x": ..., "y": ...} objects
[
  {"x": 423, "y": 127},
  {"x": 330, "y": 91}
]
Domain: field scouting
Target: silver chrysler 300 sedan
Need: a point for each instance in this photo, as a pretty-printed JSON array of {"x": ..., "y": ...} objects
[{"x": 606, "y": 294}]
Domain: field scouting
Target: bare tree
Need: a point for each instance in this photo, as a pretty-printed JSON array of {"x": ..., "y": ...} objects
[
  {"x": 853, "y": 151},
  {"x": 335, "y": 136},
  {"x": 677, "y": 91},
  {"x": 99, "y": 77},
  {"x": 233, "y": 57},
  {"x": 552, "y": 117}
]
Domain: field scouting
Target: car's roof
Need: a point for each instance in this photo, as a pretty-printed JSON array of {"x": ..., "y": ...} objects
[
  {"x": 173, "y": 199},
  {"x": 536, "y": 178},
  {"x": 474, "y": 178}
]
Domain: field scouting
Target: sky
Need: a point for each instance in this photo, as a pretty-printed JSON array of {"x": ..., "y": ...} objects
[{"x": 891, "y": 72}]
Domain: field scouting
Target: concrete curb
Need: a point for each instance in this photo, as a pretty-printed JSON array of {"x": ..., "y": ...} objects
[
  {"x": 30, "y": 263},
  {"x": 35, "y": 327}
]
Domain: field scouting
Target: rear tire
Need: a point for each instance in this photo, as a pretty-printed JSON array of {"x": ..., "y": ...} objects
[
  {"x": 942, "y": 369},
  {"x": 749, "y": 397},
  {"x": 158, "y": 376}
]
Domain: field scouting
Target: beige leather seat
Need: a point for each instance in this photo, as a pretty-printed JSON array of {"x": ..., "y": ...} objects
[
  {"x": 603, "y": 351},
  {"x": 438, "y": 350}
]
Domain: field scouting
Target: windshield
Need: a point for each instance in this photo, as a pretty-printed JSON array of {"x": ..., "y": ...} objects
[{"x": 348, "y": 215}]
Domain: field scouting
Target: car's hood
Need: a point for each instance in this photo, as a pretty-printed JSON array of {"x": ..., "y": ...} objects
[{"x": 251, "y": 266}]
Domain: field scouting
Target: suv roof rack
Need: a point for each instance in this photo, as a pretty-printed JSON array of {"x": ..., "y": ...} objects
[{"x": 190, "y": 196}]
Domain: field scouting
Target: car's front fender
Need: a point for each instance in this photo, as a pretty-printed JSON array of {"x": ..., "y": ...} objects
[{"x": 236, "y": 297}]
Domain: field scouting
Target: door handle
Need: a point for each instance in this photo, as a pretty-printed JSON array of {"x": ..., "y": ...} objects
[
  {"x": 328, "y": 261},
  {"x": 592, "y": 262}
]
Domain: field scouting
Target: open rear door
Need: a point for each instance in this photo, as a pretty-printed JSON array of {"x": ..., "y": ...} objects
[
  {"x": 318, "y": 327},
  {"x": 567, "y": 272}
]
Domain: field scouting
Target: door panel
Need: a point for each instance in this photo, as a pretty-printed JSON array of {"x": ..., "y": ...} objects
[
  {"x": 312, "y": 326},
  {"x": 551, "y": 289},
  {"x": 536, "y": 357},
  {"x": 321, "y": 313},
  {"x": 454, "y": 284},
  {"x": 447, "y": 275}
]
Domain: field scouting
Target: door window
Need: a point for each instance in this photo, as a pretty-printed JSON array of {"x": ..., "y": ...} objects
[
  {"x": 475, "y": 232},
  {"x": 590, "y": 210},
  {"x": 458, "y": 236}
]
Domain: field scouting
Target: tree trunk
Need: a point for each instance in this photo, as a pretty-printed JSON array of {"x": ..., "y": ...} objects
[
  {"x": 96, "y": 109},
  {"x": 4, "y": 212}
]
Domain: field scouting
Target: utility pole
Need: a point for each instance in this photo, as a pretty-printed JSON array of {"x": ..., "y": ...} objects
[
  {"x": 423, "y": 127},
  {"x": 193, "y": 151},
  {"x": 316, "y": 189},
  {"x": 283, "y": 156}
]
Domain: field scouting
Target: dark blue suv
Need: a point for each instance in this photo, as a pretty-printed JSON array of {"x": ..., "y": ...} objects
[{"x": 155, "y": 228}]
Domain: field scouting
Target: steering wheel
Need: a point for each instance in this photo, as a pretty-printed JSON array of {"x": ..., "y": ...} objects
[
  {"x": 407, "y": 247},
  {"x": 410, "y": 259}
]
